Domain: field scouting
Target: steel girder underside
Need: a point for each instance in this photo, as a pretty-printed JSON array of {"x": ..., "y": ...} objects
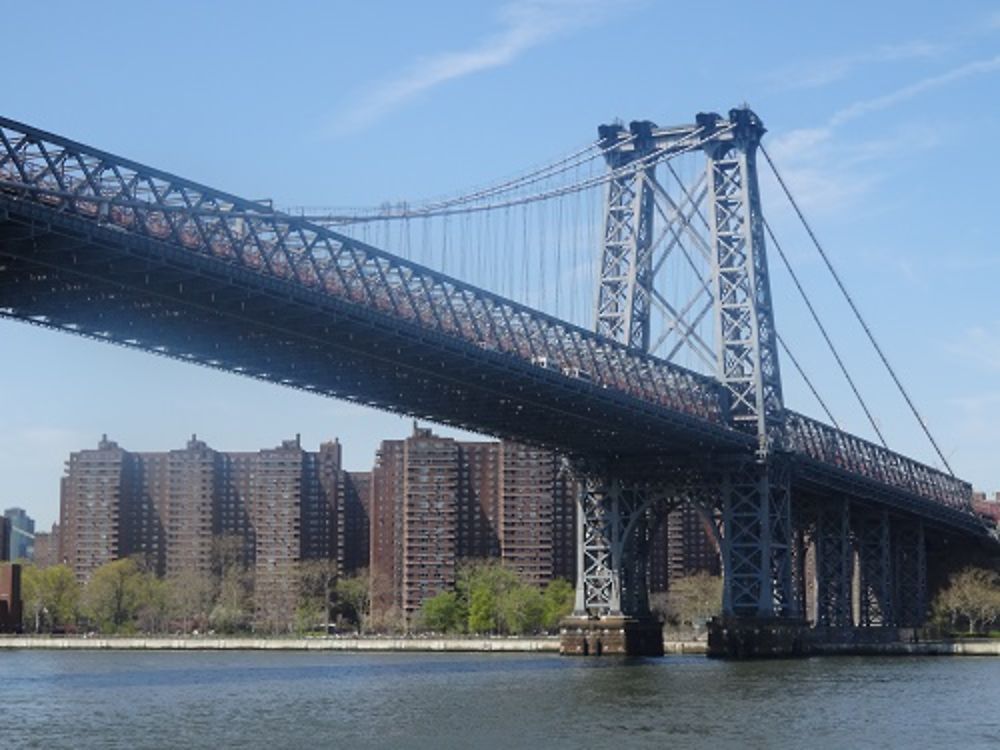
[{"x": 65, "y": 273}]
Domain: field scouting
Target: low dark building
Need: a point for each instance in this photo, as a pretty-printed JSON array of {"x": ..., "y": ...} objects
[{"x": 10, "y": 598}]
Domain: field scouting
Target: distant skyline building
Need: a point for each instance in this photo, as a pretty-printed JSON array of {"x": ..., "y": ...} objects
[{"x": 20, "y": 528}]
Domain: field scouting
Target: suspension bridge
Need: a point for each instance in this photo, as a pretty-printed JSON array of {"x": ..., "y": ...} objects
[{"x": 613, "y": 305}]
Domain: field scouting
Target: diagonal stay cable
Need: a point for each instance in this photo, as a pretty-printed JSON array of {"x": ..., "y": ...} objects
[
  {"x": 857, "y": 313},
  {"x": 808, "y": 382},
  {"x": 826, "y": 336}
]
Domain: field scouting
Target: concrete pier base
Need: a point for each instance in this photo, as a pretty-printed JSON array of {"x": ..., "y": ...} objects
[
  {"x": 756, "y": 638},
  {"x": 611, "y": 635}
]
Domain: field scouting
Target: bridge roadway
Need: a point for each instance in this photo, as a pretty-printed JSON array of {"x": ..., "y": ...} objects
[{"x": 103, "y": 247}]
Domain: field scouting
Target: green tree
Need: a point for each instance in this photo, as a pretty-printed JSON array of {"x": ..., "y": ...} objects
[
  {"x": 317, "y": 593},
  {"x": 482, "y": 610},
  {"x": 34, "y": 599},
  {"x": 485, "y": 586},
  {"x": 191, "y": 593},
  {"x": 233, "y": 585},
  {"x": 557, "y": 603},
  {"x": 971, "y": 600},
  {"x": 694, "y": 599},
  {"x": 354, "y": 598},
  {"x": 62, "y": 595},
  {"x": 520, "y": 609},
  {"x": 152, "y": 596},
  {"x": 112, "y": 596},
  {"x": 234, "y": 603},
  {"x": 443, "y": 613}
]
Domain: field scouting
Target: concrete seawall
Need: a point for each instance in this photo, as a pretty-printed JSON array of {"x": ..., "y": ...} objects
[
  {"x": 482, "y": 645},
  {"x": 284, "y": 644},
  {"x": 920, "y": 648}
]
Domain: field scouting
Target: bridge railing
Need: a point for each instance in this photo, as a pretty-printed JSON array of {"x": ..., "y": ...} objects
[
  {"x": 74, "y": 179},
  {"x": 842, "y": 450}
]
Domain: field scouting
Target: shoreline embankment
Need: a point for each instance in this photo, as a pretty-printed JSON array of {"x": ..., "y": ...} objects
[
  {"x": 963, "y": 647},
  {"x": 237, "y": 643}
]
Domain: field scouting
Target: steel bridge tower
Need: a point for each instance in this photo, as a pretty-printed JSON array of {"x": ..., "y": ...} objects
[{"x": 750, "y": 507}]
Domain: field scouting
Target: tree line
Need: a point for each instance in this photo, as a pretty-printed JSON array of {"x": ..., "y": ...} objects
[
  {"x": 970, "y": 603},
  {"x": 490, "y": 599},
  {"x": 125, "y": 597}
]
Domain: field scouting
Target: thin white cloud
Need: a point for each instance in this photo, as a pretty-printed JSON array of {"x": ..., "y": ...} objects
[
  {"x": 824, "y": 173},
  {"x": 825, "y": 72},
  {"x": 524, "y": 24},
  {"x": 866, "y": 106}
]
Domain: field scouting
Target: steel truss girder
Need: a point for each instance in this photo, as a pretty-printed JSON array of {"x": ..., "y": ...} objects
[
  {"x": 145, "y": 207},
  {"x": 867, "y": 462},
  {"x": 758, "y": 541},
  {"x": 834, "y": 564}
]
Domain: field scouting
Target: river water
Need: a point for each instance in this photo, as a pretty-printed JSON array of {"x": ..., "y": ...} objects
[{"x": 278, "y": 700}]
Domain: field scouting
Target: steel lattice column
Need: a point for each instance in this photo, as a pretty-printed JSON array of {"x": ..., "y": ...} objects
[
  {"x": 875, "y": 560},
  {"x": 834, "y": 565},
  {"x": 757, "y": 541},
  {"x": 747, "y": 356},
  {"x": 624, "y": 291},
  {"x": 612, "y": 540},
  {"x": 910, "y": 560}
]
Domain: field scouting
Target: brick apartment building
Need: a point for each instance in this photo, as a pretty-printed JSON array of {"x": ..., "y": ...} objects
[
  {"x": 429, "y": 503},
  {"x": 682, "y": 545},
  {"x": 990, "y": 508},
  {"x": 436, "y": 501},
  {"x": 285, "y": 504},
  {"x": 47, "y": 547}
]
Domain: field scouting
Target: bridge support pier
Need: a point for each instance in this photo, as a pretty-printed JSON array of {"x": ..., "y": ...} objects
[
  {"x": 834, "y": 565},
  {"x": 875, "y": 568},
  {"x": 910, "y": 564},
  {"x": 762, "y": 608},
  {"x": 758, "y": 542},
  {"x": 611, "y": 614}
]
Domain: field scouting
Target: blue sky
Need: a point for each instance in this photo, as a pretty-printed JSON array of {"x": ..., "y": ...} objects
[{"x": 883, "y": 116}]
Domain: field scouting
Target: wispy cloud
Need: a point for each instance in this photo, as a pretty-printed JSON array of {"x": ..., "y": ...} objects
[
  {"x": 825, "y": 173},
  {"x": 524, "y": 24},
  {"x": 866, "y": 106},
  {"x": 824, "y": 72}
]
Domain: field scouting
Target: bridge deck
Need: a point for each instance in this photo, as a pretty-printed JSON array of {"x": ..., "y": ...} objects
[{"x": 101, "y": 246}]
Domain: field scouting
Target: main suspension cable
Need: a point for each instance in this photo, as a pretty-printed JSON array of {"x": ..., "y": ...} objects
[
  {"x": 686, "y": 144},
  {"x": 857, "y": 313}
]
